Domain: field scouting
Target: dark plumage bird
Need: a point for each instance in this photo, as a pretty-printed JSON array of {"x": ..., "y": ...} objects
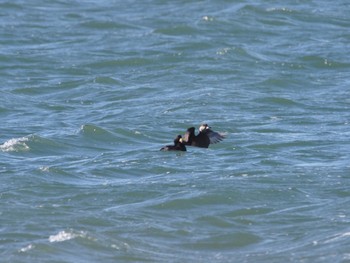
[
  {"x": 205, "y": 137},
  {"x": 178, "y": 145}
]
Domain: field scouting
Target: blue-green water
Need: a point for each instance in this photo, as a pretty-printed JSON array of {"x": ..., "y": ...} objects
[{"x": 91, "y": 90}]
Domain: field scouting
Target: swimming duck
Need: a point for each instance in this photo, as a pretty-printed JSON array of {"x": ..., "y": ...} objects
[
  {"x": 178, "y": 145},
  {"x": 205, "y": 137}
]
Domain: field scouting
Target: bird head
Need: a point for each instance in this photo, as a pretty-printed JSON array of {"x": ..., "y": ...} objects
[{"x": 203, "y": 127}]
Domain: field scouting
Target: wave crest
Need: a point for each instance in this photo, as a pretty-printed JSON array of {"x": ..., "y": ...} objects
[
  {"x": 15, "y": 145},
  {"x": 65, "y": 235}
]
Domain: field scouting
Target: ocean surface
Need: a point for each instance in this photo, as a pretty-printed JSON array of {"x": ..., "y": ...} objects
[{"x": 91, "y": 90}]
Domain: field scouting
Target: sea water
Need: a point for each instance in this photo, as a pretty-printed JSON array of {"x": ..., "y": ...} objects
[{"x": 91, "y": 90}]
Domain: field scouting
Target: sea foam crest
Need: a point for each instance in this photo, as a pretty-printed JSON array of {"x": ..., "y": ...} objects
[
  {"x": 15, "y": 145},
  {"x": 64, "y": 236},
  {"x": 27, "y": 248}
]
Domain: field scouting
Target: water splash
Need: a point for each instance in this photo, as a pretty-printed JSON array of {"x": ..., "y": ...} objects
[
  {"x": 65, "y": 236},
  {"x": 15, "y": 145}
]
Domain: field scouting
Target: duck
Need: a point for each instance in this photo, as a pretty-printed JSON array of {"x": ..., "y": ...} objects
[
  {"x": 204, "y": 138},
  {"x": 178, "y": 145}
]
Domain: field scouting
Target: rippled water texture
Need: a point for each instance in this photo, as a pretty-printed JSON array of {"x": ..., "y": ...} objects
[{"x": 91, "y": 90}]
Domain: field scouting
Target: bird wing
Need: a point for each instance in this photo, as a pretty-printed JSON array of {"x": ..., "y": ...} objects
[
  {"x": 215, "y": 137},
  {"x": 188, "y": 136}
]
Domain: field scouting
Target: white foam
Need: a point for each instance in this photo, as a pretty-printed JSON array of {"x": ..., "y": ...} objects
[
  {"x": 44, "y": 168},
  {"x": 62, "y": 236},
  {"x": 15, "y": 145},
  {"x": 27, "y": 248}
]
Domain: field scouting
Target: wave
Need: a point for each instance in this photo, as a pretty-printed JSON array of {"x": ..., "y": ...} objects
[
  {"x": 30, "y": 143},
  {"x": 323, "y": 62},
  {"x": 119, "y": 135},
  {"x": 94, "y": 132},
  {"x": 15, "y": 145},
  {"x": 65, "y": 235}
]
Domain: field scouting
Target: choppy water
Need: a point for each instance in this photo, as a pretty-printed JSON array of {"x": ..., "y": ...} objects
[{"x": 91, "y": 90}]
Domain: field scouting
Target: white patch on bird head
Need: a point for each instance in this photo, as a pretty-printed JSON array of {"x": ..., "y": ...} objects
[{"x": 203, "y": 127}]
